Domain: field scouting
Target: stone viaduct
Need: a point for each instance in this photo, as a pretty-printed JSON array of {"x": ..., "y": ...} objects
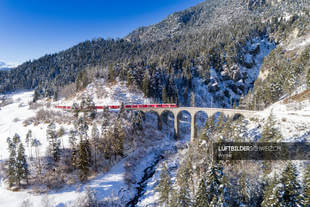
[{"x": 193, "y": 112}]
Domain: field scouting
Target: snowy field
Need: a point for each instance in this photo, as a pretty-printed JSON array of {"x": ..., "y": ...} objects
[{"x": 106, "y": 185}]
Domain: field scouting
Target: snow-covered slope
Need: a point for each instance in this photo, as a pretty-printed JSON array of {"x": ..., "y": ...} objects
[{"x": 106, "y": 185}]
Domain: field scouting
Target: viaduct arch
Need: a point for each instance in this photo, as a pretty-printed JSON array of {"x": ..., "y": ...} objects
[{"x": 193, "y": 111}]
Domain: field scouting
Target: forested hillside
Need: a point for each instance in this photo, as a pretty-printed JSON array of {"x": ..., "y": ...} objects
[{"x": 162, "y": 59}]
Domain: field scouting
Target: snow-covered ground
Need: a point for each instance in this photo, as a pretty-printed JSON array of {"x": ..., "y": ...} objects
[
  {"x": 106, "y": 185},
  {"x": 108, "y": 94}
]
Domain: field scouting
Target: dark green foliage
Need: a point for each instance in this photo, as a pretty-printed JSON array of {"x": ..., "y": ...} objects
[
  {"x": 82, "y": 80},
  {"x": 244, "y": 190},
  {"x": 12, "y": 162},
  {"x": 201, "y": 196},
  {"x": 214, "y": 181},
  {"x": 22, "y": 171},
  {"x": 183, "y": 181},
  {"x": 270, "y": 132},
  {"x": 164, "y": 185},
  {"x": 17, "y": 166},
  {"x": 145, "y": 85},
  {"x": 84, "y": 159},
  {"x": 272, "y": 194},
  {"x": 290, "y": 191},
  {"x": 138, "y": 122},
  {"x": 118, "y": 136}
]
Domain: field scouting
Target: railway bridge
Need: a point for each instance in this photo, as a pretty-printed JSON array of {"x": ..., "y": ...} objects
[
  {"x": 161, "y": 109},
  {"x": 193, "y": 111}
]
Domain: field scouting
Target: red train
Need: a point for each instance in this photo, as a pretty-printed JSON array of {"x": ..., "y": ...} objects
[{"x": 129, "y": 106}]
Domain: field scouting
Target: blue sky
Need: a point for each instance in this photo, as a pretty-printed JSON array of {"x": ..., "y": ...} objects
[{"x": 31, "y": 28}]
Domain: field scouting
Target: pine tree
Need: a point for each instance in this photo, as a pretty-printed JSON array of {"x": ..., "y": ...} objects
[
  {"x": 201, "y": 196},
  {"x": 138, "y": 122},
  {"x": 16, "y": 139},
  {"x": 306, "y": 185},
  {"x": 12, "y": 162},
  {"x": 95, "y": 141},
  {"x": 54, "y": 143},
  {"x": 173, "y": 201},
  {"x": 290, "y": 187},
  {"x": 244, "y": 191},
  {"x": 270, "y": 132},
  {"x": 84, "y": 159},
  {"x": 164, "y": 186},
  {"x": 118, "y": 140},
  {"x": 183, "y": 176},
  {"x": 213, "y": 181},
  {"x": 271, "y": 194},
  {"x": 145, "y": 84},
  {"x": 21, "y": 165}
]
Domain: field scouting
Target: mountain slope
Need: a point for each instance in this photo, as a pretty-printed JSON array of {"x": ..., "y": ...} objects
[{"x": 163, "y": 58}]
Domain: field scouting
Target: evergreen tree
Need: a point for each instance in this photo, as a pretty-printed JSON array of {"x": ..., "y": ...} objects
[
  {"x": 118, "y": 140},
  {"x": 21, "y": 165},
  {"x": 12, "y": 162},
  {"x": 271, "y": 194},
  {"x": 173, "y": 201},
  {"x": 244, "y": 190},
  {"x": 213, "y": 181},
  {"x": 270, "y": 132},
  {"x": 145, "y": 85},
  {"x": 201, "y": 196},
  {"x": 164, "y": 185},
  {"x": 183, "y": 176},
  {"x": 290, "y": 195},
  {"x": 54, "y": 143},
  {"x": 84, "y": 159},
  {"x": 138, "y": 122},
  {"x": 16, "y": 139},
  {"x": 306, "y": 185}
]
